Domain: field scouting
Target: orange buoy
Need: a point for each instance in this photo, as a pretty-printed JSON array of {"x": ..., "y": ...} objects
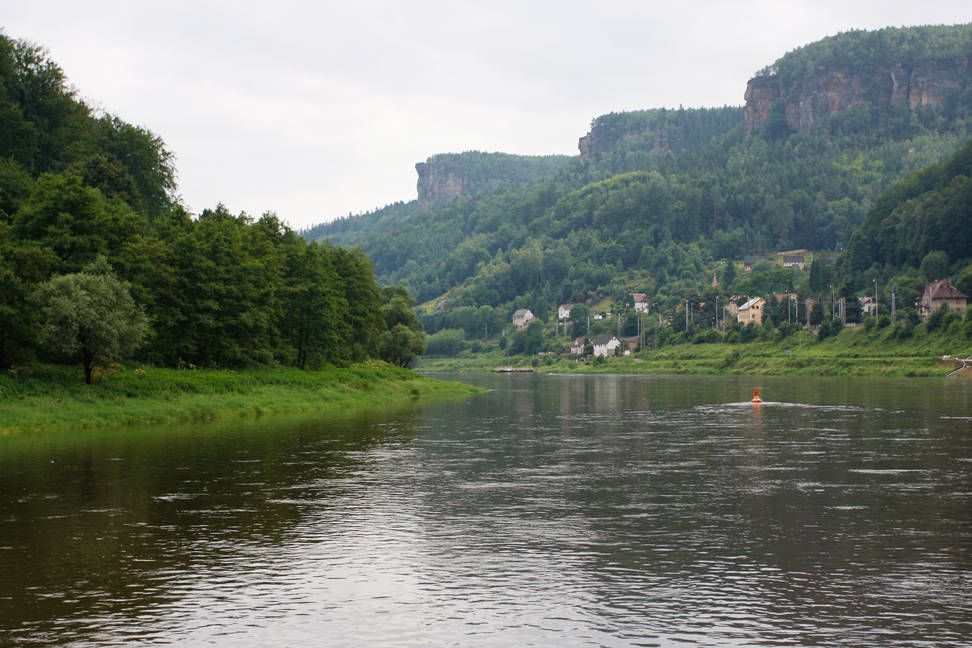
[{"x": 756, "y": 398}]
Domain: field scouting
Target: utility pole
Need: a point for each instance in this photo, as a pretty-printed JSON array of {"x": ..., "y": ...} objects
[
  {"x": 894, "y": 290},
  {"x": 875, "y": 299},
  {"x": 717, "y": 312},
  {"x": 686, "y": 316}
]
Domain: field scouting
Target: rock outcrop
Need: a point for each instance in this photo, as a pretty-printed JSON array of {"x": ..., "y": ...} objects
[
  {"x": 439, "y": 181},
  {"x": 447, "y": 176},
  {"x": 808, "y": 100}
]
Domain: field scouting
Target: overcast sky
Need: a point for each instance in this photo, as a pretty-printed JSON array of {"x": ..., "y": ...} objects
[{"x": 317, "y": 109}]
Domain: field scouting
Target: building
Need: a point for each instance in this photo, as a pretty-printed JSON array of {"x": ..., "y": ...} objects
[
  {"x": 939, "y": 294},
  {"x": 563, "y": 311},
  {"x": 605, "y": 345},
  {"x": 751, "y": 312},
  {"x": 522, "y": 318},
  {"x": 577, "y": 346},
  {"x": 796, "y": 258},
  {"x": 869, "y": 307},
  {"x": 629, "y": 344},
  {"x": 640, "y": 302}
]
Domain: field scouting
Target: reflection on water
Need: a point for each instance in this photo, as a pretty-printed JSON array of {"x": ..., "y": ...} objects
[{"x": 562, "y": 510}]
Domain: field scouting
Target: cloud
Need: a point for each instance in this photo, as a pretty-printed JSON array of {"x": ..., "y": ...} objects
[{"x": 318, "y": 109}]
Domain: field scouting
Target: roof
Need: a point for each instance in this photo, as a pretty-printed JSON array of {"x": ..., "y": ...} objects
[
  {"x": 581, "y": 341},
  {"x": 601, "y": 340},
  {"x": 751, "y": 302},
  {"x": 522, "y": 312},
  {"x": 943, "y": 289},
  {"x": 639, "y": 297}
]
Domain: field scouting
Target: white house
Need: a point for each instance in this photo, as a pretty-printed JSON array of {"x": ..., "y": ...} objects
[
  {"x": 522, "y": 318},
  {"x": 563, "y": 311},
  {"x": 869, "y": 307},
  {"x": 640, "y": 302},
  {"x": 577, "y": 347},
  {"x": 605, "y": 345}
]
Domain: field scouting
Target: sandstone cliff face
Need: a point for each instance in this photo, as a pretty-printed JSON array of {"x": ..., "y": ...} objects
[
  {"x": 928, "y": 83},
  {"x": 447, "y": 176},
  {"x": 439, "y": 182}
]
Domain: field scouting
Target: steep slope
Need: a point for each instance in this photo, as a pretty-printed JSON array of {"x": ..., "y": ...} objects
[{"x": 657, "y": 196}]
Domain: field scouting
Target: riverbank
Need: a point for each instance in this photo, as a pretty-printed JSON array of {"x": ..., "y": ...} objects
[
  {"x": 852, "y": 353},
  {"x": 46, "y": 397}
]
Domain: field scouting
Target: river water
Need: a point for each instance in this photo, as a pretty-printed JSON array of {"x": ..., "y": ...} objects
[{"x": 552, "y": 511}]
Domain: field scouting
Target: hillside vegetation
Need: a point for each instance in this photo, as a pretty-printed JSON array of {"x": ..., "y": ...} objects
[{"x": 660, "y": 201}]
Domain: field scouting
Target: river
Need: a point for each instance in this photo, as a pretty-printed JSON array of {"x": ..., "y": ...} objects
[{"x": 551, "y": 511}]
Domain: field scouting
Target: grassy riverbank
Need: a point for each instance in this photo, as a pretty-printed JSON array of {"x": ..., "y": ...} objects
[
  {"x": 48, "y": 397},
  {"x": 852, "y": 353}
]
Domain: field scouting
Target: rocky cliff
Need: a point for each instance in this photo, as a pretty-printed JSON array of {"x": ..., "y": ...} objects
[
  {"x": 890, "y": 69},
  {"x": 439, "y": 181},
  {"x": 447, "y": 176}
]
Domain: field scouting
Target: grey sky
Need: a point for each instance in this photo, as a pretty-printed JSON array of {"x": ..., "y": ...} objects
[{"x": 318, "y": 109}]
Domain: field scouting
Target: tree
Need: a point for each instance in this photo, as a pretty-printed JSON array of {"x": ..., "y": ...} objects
[
  {"x": 935, "y": 265},
  {"x": 401, "y": 344},
  {"x": 89, "y": 317}
]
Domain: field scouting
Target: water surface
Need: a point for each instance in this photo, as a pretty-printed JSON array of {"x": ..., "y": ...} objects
[{"x": 563, "y": 510}]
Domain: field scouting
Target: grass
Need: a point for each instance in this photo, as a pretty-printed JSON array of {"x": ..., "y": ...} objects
[
  {"x": 855, "y": 352},
  {"x": 47, "y": 397}
]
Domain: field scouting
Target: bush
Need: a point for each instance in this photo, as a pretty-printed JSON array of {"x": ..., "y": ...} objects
[
  {"x": 708, "y": 336},
  {"x": 447, "y": 342},
  {"x": 883, "y": 322},
  {"x": 829, "y": 328},
  {"x": 748, "y": 333}
]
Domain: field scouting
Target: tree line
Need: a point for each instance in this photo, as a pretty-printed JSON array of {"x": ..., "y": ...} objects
[{"x": 99, "y": 260}]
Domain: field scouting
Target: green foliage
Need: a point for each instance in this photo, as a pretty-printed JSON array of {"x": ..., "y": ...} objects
[
  {"x": 89, "y": 317},
  {"x": 529, "y": 341},
  {"x": 446, "y": 342},
  {"x": 935, "y": 265}
]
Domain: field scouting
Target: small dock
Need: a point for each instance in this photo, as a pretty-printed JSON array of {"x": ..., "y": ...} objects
[{"x": 509, "y": 369}]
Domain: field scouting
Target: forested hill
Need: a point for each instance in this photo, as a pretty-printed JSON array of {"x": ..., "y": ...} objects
[
  {"x": 99, "y": 261},
  {"x": 924, "y": 220},
  {"x": 657, "y": 198}
]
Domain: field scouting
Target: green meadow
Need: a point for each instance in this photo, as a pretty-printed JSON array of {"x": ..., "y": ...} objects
[{"x": 47, "y": 397}]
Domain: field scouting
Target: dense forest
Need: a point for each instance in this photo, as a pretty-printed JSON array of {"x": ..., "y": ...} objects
[
  {"x": 659, "y": 201},
  {"x": 99, "y": 260}
]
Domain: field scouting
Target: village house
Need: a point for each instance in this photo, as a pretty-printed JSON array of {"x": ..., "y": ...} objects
[
  {"x": 751, "y": 312},
  {"x": 563, "y": 311},
  {"x": 522, "y": 318},
  {"x": 869, "y": 307},
  {"x": 796, "y": 258},
  {"x": 640, "y": 302},
  {"x": 577, "y": 346},
  {"x": 605, "y": 345},
  {"x": 939, "y": 294},
  {"x": 629, "y": 344}
]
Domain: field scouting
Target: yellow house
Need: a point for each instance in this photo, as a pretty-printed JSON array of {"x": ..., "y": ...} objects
[{"x": 751, "y": 312}]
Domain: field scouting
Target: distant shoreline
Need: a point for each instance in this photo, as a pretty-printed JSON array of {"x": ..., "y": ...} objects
[{"x": 852, "y": 354}]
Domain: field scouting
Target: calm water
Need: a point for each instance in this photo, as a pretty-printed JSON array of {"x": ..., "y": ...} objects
[{"x": 559, "y": 511}]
